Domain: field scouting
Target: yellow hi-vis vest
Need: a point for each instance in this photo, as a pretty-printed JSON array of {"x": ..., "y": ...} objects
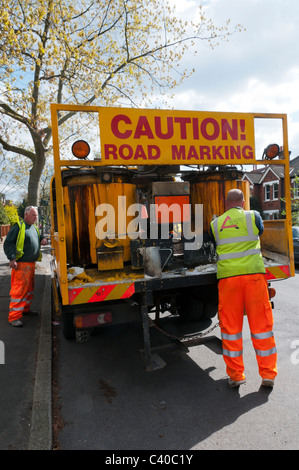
[
  {"x": 238, "y": 244},
  {"x": 21, "y": 240}
]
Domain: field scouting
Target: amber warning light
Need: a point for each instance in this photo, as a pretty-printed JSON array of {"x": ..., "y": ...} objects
[
  {"x": 80, "y": 149},
  {"x": 271, "y": 151}
]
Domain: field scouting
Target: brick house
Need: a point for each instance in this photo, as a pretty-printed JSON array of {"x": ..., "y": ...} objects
[{"x": 267, "y": 188}]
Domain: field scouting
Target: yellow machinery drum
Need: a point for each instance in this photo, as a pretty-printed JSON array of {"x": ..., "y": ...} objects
[
  {"x": 212, "y": 191},
  {"x": 87, "y": 239}
]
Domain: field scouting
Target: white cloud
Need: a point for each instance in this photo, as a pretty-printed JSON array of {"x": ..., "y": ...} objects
[
  {"x": 257, "y": 70},
  {"x": 183, "y": 5}
]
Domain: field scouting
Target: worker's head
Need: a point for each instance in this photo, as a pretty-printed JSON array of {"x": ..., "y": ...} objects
[
  {"x": 30, "y": 215},
  {"x": 234, "y": 198}
]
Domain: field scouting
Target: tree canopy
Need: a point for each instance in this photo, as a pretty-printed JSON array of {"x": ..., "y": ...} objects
[{"x": 105, "y": 52}]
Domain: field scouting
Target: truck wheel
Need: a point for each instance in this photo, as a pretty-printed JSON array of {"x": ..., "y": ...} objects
[
  {"x": 200, "y": 303},
  {"x": 191, "y": 309},
  {"x": 68, "y": 329},
  {"x": 209, "y": 311}
]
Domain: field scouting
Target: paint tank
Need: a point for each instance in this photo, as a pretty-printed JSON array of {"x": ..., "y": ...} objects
[
  {"x": 86, "y": 242},
  {"x": 211, "y": 188}
]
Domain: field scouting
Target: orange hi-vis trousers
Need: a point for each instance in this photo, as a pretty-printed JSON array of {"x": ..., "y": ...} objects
[
  {"x": 22, "y": 288},
  {"x": 237, "y": 295}
]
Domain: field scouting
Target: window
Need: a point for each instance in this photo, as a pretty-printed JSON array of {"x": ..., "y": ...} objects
[
  {"x": 271, "y": 215},
  {"x": 296, "y": 188},
  {"x": 271, "y": 189},
  {"x": 267, "y": 192}
]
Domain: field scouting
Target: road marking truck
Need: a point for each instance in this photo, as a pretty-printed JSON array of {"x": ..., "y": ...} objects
[{"x": 131, "y": 211}]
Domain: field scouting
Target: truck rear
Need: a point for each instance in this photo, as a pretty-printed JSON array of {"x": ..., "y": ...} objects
[{"x": 131, "y": 221}]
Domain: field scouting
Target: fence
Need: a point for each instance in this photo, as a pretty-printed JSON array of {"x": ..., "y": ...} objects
[{"x": 4, "y": 229}]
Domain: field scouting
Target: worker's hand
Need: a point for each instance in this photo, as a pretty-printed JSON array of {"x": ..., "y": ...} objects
[
  {"x": 44, "y": 241},
  {"x": 13, "y": 264}
]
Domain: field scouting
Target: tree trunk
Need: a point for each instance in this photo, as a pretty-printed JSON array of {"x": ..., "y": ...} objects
[{"x": 35, "y": 177}]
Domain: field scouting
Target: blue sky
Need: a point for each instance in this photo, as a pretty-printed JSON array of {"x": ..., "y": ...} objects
[{"x": 257, "y": 70}]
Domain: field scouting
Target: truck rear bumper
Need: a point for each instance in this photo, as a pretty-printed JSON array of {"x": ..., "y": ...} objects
[
  {"x": 124, "y": 290},
  {"x": 119, "y": 290}
]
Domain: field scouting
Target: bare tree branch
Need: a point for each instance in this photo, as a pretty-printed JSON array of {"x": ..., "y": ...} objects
[{"x": 19, "y": 150}]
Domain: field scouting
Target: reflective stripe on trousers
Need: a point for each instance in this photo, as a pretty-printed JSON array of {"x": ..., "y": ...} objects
[
  {"x": 236, "y": 295},
  {"x": 234, "y": 343},
  {"x": 265, "y": 335},
  {"x": 22, "y": 288}
]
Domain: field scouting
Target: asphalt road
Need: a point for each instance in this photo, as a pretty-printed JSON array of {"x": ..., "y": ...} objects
[{"x": 105, "y": 399}]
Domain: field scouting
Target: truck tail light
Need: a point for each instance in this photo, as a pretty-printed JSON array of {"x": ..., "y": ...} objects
[
  {"x": 92, "y": 320},
  {"x": 272, "y": 292}
]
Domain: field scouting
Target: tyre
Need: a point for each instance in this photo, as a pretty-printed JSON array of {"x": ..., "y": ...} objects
[
  {"x": 198, "y": 303},
  {"x": 209, "y": 310},
  {"x": 68, "y": 329},
  {"x": 190, "y": 308}
]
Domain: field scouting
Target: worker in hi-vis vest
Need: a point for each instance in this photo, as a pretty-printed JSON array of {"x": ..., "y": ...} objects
[
  {"x": 242, "y": 287},
  {"x": 22, "y": 248}
]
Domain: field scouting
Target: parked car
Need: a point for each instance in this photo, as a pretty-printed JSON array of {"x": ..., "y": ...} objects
[{"x": 296, "y": 243}]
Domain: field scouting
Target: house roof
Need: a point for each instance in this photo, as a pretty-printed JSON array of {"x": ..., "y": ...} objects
[
  {"x": 294, "y": 166},
  {"x": 253, "y": 177},
  {"x": 277, "y": 171},
  {"x": 257, "y": 176}
]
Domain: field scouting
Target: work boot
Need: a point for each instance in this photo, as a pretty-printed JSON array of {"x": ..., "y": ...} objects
[
  {"x": 235, "y": 383},
  {"x": 268, "y": 383},
  {"x": 16, "y": 323}
]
